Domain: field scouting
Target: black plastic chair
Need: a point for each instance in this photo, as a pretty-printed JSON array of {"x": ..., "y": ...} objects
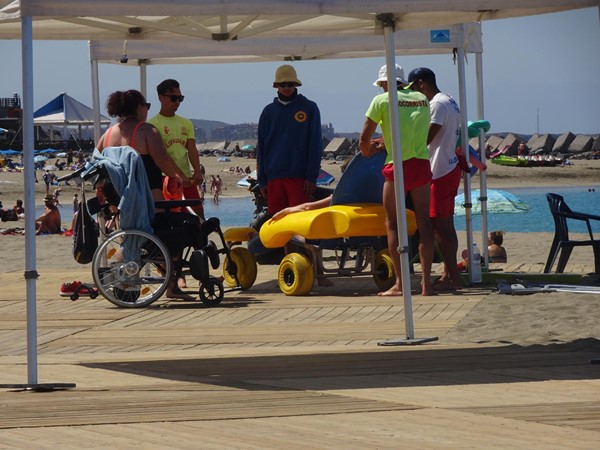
[{"x": 562, "y": 243}]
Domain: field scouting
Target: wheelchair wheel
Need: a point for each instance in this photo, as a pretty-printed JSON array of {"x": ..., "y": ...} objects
[
  {"x": 296, "y": 275},
  {"x": 212, "y": 292},
  {"x": 383, "y": 270},
  {"x": 131, "y": 268},
  {"x": 244, "y": 267}
]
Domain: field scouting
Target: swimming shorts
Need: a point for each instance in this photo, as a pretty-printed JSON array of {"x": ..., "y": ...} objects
[
  {"x": 443, "y": 193},
  {"x": 284, "y": 192},
  {"x": 417, "y": 172}
]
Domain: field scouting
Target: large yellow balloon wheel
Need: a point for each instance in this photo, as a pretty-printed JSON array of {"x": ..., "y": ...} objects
[
  {"x": 296, "y": 275},
  {"x": 383, "y": 270},
  {"x": 245, "y": 265}
]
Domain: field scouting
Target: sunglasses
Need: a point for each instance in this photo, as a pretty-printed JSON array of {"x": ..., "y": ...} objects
[
  {"x": 175, "y": 98},
  {"x": 286, "y": 85},
  {"x": 147, "y": 105}
]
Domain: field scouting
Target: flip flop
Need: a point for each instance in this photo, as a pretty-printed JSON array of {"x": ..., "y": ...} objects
[{"x": 443, "y": 286}]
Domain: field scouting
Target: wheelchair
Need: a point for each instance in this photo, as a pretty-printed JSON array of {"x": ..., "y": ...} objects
[{"x": 132, "y": 268}]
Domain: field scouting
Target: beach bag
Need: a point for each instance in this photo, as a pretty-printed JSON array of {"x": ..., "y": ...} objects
[
  {"x": 8, "y": 215},
  {"x": 85, "y": 234}
]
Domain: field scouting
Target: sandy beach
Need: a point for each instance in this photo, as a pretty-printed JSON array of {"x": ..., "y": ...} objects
[{"x": 500, "y": 317}]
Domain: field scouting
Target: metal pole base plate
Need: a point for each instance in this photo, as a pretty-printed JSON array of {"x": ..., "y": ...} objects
[
  {"x": 39, "y": 387},
  {"x": 407, "y": 341}
]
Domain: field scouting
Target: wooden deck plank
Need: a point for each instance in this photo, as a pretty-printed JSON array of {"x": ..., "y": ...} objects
[
  {"x": 268, "y": 371},
  {"x": 99, "y": 407}
]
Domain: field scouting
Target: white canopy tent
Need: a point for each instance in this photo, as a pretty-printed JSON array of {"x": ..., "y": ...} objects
[
  {"x": 67, "y": 112},
  {"x": 292, "y": 48},
  {"x": 223, "y": 20},
  {"x": 460, "y": 38},
  {"x": 227, "y": 20}
]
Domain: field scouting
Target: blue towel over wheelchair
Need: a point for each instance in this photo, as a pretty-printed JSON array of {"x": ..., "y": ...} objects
[{"x": 126, "y": 171}]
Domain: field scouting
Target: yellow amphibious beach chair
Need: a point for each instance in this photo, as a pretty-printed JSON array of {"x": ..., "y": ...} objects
[{"x": 352, "y": 229}]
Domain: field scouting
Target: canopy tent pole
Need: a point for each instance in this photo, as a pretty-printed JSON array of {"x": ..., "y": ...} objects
[
  {"x": 482, "y": 156},
  {"x": 462, "y": 94},
  {"x": 31, "y": 273},
  {"x": 95, "y": 99},
  {"x": 403, "y": 248},
  {"x": 143, "y": 78}
]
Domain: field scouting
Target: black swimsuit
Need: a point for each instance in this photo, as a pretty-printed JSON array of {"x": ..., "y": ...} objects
[{"x": 153, "y": 173}]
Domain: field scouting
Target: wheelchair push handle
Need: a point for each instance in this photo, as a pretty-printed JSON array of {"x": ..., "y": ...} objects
[
  {"x": 70, "y": 176},
  {"x": 86, "y": 172}
]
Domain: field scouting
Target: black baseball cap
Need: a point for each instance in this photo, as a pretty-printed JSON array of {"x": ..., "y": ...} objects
[{"x": 421, "y": 73}]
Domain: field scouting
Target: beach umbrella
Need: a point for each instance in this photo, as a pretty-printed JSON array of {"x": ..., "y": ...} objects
[
  {"x": 244, "y": 181},
  {"x": 248, "y": 147},
  {"x": 498, "y": 202},
  {"x": 48, "y": 150},
  {"x": 39, "y": 158},
  {"x": 61, "y": 155}
]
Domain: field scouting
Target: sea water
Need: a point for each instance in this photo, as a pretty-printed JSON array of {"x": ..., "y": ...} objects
[
  {"x": 232, "y": 211},
  {"x": 238, "y": 211},
  {"x": 584, "y": 199}
]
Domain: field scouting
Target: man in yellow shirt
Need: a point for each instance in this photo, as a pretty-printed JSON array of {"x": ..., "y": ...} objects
[
  {"x": 413, "y": 114},
  {"x": 178, "y": 135}
]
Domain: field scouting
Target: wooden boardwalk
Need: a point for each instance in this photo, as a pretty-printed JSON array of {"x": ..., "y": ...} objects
[{"x": 267, "y": 371}]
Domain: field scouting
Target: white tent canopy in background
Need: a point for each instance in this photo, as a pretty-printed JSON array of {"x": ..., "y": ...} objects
[
  {"x": 65, "y": 110},
  {"x": 222, "y": 20}
]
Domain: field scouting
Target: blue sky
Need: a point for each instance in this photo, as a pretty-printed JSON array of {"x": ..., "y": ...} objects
[{"x": 550, "y": 62}]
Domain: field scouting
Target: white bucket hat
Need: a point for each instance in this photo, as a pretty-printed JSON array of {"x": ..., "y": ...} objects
[{"x": 383, "y": 75}]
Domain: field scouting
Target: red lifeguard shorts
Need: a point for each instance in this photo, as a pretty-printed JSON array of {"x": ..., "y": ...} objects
[
  {"x": 443, "y": 192},
  {"x": 191, "y": 193},
  {"x": 284, "y": 192},
  {"x": 417, "y": 172}
]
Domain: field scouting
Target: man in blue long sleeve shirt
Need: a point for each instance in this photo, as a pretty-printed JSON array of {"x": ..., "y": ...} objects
[{"x": 289, "y": 144}]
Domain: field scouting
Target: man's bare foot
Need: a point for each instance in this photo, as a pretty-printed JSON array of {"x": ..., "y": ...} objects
[
  {"x": 324, "y": 281},
  {"x": 392, "y": 292},
  {"x": 181, "y": 283},
  {"x": 428, "y": 291},
  {"x": 179, "y": 294}
]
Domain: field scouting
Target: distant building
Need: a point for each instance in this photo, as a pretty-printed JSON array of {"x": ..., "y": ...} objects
[
  {"x": 11, "y": 114},
  {"x": 235, "y": 132},
  {"x": 10, "y": 106},
  {"x": 245, "y": 131},
  {"x": 328, "y": 130}
]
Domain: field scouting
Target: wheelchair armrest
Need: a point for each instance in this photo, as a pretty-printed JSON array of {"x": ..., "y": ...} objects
[{"x": 169, "y": 204}]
